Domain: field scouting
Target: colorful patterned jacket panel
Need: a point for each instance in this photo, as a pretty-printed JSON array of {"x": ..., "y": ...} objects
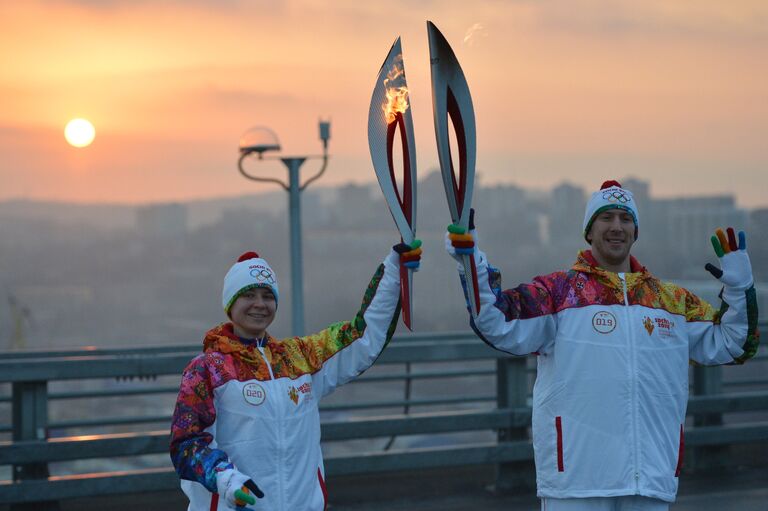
[
  {"x": 612, "y": 380},
  {"x": 302, "y": 368},
  {"x": 586, "y": 284}
]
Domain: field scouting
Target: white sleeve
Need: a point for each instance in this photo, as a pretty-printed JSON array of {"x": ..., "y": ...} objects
[
  {"x": 732, "y": 339},
  {"x": 518, "y": 321}
]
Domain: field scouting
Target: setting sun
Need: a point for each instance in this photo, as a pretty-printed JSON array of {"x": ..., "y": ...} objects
[{"x": 79, "y": 132}]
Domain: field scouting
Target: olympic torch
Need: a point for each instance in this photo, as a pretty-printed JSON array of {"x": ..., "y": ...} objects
[
  {"x": 451, "y": 98},
  {"x": 389, "y": 114}
]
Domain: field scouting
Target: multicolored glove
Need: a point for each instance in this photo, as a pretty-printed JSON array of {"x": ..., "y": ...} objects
[
  {"x": 735, "y": 269},
  {"x": 236, "y": 488},
  {"x": 410, "y": 255},
  {"x": 460, "y": 241}
]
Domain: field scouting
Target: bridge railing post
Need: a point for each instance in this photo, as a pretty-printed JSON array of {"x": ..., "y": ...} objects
[
  {"x": 707, "y": 381},
  {"x": 30, "y": 422},
  {"x": 512, "y": 392}
]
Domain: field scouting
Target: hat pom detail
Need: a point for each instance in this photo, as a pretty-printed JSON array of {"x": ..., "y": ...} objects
[
  {"x": 247, "y": 255},
  {"x": 610, "y": 183}
]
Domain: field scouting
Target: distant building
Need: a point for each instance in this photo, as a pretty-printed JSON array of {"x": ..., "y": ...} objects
[
  {"x": 167, "y": 221},
  {"x": 566, "y": 215},
  {"x": 683, "y": 227},
  {"x": 758, "y": 222},
  {"x": 757, "y": 241},
  {"x": 690, "y": 222},
  {"x": 641, "y": 190}
]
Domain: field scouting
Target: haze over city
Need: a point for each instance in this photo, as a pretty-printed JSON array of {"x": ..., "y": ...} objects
[{"x": 673, "y": 93}]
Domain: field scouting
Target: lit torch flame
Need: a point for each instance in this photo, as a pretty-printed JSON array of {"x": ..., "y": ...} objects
[{"x": 397, "y": 95}]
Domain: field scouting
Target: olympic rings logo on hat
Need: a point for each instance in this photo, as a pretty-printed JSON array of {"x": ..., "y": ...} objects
[
  {"x": 616, "y": 195},
  {"x": 263, "y": 276}
]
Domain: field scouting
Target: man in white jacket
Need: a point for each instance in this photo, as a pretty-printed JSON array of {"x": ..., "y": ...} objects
[{"x": 614, "y": 344}]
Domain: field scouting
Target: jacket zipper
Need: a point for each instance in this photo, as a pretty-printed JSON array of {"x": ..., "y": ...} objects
[
  {"x": 269, "y": 366},
  {"x": 633, "y": 382}
]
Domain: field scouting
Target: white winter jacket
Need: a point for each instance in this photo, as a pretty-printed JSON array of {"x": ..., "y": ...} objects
[
  {"x": 612, "y": 383},
  {"x": 258, "y": 407}
]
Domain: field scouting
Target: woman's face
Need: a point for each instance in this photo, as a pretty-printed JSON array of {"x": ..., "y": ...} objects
[{"x": 253, "y": 312}]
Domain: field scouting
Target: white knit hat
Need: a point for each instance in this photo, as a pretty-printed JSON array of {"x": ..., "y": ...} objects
[
  {"x": 610, "y": 196},
  {"x": 248, "y": 272}
]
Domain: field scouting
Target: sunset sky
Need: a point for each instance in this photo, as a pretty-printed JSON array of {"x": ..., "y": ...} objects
[{"x": 564, "y": 90}]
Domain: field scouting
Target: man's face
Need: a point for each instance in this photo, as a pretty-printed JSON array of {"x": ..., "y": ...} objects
[
  {"x": 253, "y": 312},
  {"x": 612, "y": 235}
]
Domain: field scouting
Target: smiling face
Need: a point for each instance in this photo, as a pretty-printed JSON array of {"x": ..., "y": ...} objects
[
  {"x": 611, "y": 235},
  {"x": 253, "y": 312}
]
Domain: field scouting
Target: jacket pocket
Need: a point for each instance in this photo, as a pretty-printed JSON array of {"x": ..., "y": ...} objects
[
  {"x": 559, "y": 430},
  {"x": 680, "y": 452},
  {"x": 321, "y": 481}
]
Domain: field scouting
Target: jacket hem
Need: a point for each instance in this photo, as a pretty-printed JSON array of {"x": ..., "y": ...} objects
[{"x": 620, "y": 492}]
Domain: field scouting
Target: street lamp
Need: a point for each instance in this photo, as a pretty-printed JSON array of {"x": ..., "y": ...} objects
[{"x": 259, "y": 140}]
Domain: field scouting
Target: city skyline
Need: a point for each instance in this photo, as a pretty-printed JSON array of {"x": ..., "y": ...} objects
[{"x": 152, "y": 272}]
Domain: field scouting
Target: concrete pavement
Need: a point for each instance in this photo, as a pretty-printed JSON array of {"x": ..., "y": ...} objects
[{"x": 468, "y": 489}]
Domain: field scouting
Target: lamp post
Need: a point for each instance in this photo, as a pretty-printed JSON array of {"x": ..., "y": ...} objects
[{"x": 259, "y": 140}]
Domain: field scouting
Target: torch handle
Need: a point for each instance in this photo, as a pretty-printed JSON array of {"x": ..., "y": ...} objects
[
  {"x": 406, "y": 295},
  {"x": 473, "y": 290}
]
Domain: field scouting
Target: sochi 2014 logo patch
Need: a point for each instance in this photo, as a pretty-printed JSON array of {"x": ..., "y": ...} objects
[
  {"x": 648, "y": 324},
  {"x": 663, "y": 326},
  {"x": 604, "y": 322},
  {"x": 293, "y": 392},
  {"x": 254, "y": 394}
]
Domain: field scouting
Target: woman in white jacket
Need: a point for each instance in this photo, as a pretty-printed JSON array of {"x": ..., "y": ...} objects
[{"x": 246, "y": 428}]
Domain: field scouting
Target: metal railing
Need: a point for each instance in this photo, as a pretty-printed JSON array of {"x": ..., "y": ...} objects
[{"x": 500, "y": 415}]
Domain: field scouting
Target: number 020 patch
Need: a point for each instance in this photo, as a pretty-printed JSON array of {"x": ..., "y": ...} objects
[{"x": 254, "y": 394}]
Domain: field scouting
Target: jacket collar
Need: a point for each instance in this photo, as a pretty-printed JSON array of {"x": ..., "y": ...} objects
[
  {"x": 586, "y": 262},
  {"x": 223, "y": 339}
]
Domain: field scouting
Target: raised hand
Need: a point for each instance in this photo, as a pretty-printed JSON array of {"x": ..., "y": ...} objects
[
  {"x": 735, "y": 268},
  {"x": 460, "y": 241},
  {"x": 410, "y": 255}
]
